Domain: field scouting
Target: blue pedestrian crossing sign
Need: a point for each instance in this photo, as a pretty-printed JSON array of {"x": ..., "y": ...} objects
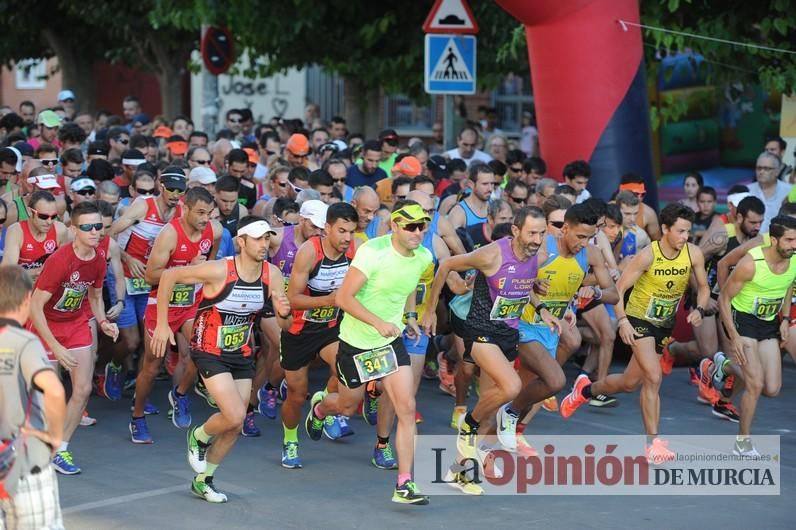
[{"x": 450, "y": 64}]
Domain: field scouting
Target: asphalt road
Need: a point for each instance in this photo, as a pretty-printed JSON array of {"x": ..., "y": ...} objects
[{"x": 133, "y": 486}]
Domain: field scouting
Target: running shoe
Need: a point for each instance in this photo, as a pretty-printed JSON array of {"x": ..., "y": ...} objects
[
  {"x": 114, "y": 379},
  {"x": 693, "y": 377},
  {"x": 744, "y": 448},
  {"x": 313, "y": 424},
  {"x": 86, "y": 420},
  {"x": 331, "y": 428},
  {"x": 139, "y": 432},
  {"x": 149, "y": 408},
  {"x": 206, "y": 490},
  {"x": 383, "y": 457},
  {"x": 283, "y": 390},
  {"x": 180, "y": 409},
  {"x": 726, "y": 411},
  {"x": 458, "y": 417},
  {"x": 446, "y": 375},
  {"x": 720, "y": 361},
  {"x": 99, "y": 385},
  {"x": 266, "y": 405},
  {"x": 667, "y": 361},
  {"x": 729, "y": 383},
  {"x": 172, "y": 360},
  {"x": 407, "y": 493},
  {"x": 249, "y": 429},
  {"x": 524, "y": 448},
  {"x": 575, "y": 398},
  {"x": 201, "y": 391},
  {"x": 448, "y": 388},
  {"x": 706, "y": 394},
  {"x": 430, "y": 370},
  {"x": 507, "y": 428},
  {"x": 603, "y": 401},
  {"x": 658, "y": 452},
  {"x": 370, "y": 407},
  {"x": 418, "y": 417},
  {"x": 466, "y": 440},
  {"x": 290, "y": 456},
  {"x": 550, "y": 404},
  {"x": 64, "y": 464},
  {"x": 460, "y": 482},
  {"x": 345, "y": 429},
  {"x": 197, "y": 452},
  {"x": 486, "y": 457},
  {"x": 129, "y": 381}
]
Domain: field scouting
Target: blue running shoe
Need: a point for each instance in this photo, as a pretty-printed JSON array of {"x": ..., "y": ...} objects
[
  {"x": 717, "y": 375},
  {"x": 370, "y": 408},
  {"x": 267, "y": 402},
  {"x": 180, "y": 409},
  {"x": 63, "y": 463},
  {"x": 283, "y": 390},
  {"x": 331, "y": 428},
  {"x": 249, "y": 428},
  {"x": 383, "y": 457},
  {"x": 313, "y": 424},
  {"x": 139, "y": 432},
  {"x": 345, "y": 429},
  {"x": 114, "y": 381},
  {"x": 290, "y": 456},
  {"x": 150, "y": 409}
]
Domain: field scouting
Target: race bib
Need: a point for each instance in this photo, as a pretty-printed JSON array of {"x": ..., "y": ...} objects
[
  {"x": 183, "y": 295},
  {"x": 766, "y": 308},
  {"x": 70, "y": 301},
  {"x": 137, "y": 286},
  {"x": 508, "y": 308},
  {"x": 661, "y": 311},
  {"x": 420, "y": 294},
  {"x": 321, "y": 315},
  {"x": 375, "y": 364},
  {"x": 232, "y": 338},
  {"x": 556, "y": 307}
]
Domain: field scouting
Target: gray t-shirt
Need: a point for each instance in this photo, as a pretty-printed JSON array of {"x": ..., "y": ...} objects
[{"x": 21, "y": 358}]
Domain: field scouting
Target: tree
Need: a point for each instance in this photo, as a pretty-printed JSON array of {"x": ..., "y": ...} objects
[{"x": 371, "y": 45}]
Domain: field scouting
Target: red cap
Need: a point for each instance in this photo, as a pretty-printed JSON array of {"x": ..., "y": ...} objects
[
  {"x": 298, "y": 144},
  {"x": 253, "y": 157},
  {"x": 162, "y": 132},
  {"x": 408, "y": 166}
]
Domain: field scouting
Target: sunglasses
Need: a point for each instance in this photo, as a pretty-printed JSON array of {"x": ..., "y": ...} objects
[
  {"x": 430, "y": 212},
  {"x": 295, "y": 188},
  {"x": 282, "y": 184},
  {"x": 49, "y": 161},
  {"x": 414, "y": 227},
  {"x": 518, "y": 200},
  {"x": 640, "y": 195},
  {"x": 202, "y": 162},
  {"x": 175, "y": 191},
  {"x": 300, "y": 157},
  {"x": 339, "y": 180},
  {"x": 286, "y": 223},
  {"x": 142, "y": 191},
  {"x": 557, "y": 224},
  {"x": 515, "y": 169},
  {"x": 44, "y": 216},
  {"x": 88, "y": 227},
  {"x": 3, "y": 220},
  {"x": 123, "y": 141},
  {"x": 231, "y": 120},
  {"x": 400, "y": 197},
  {"x": 85, "y": 192}
]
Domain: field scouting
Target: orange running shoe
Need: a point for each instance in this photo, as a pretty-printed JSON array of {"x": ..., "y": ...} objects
[
  {"x": 575, "y": 398},
  {"x": 693, "y": 377},
  {"x": 658, "y": 452},
  {"x": 550, "y": 404},
  {"x": 523, "y": 447},
  {"x": 418, "y": 417},
  {"x": 667, "y": 361},
  {"x": 706, "y": 394}
]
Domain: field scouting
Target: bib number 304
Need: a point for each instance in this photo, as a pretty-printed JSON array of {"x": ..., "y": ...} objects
[{"x": 375, "y": 364}]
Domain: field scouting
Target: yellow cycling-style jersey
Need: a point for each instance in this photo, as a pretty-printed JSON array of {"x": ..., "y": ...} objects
[
  {"x": 658, "y": 291},
  {"x": 565, "y": 276}
]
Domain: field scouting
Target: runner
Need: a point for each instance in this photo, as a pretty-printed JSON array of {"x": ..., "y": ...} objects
[
  {"x": 188, "y": 240},
  {"x": 73, "y": 273},
  {"x": 374, "y": 299},
  {"x": 235, "y": 290},
  {"x": 659, "y": 276},
  {"x": 317, "y": 272},
  {"x": 563, "y": 264},
  {"x": 503, "y": 286},
  {"x": 750, "y": 302},
  {"x": 473, "y": 208}
]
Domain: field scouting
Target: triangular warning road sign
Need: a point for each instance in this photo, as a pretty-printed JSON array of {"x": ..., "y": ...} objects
[
  {"x": 450, "y": 16},
  {"x": 451, "y": 65}
]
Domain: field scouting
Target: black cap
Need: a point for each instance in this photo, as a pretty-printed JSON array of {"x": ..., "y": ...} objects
[
  {"x": 173, "y": 177},
  {"x": 98, "y": 148},
  {"x": 133, "y": 154},
  {"x": 24, "y": 148},
  {"x": 389, "y": 136},
  {"x": 438, "y": 166},
  {"x": 100, "y": 170}
]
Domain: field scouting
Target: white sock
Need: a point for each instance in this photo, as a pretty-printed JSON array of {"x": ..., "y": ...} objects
[{"x": 63, "y": 447}]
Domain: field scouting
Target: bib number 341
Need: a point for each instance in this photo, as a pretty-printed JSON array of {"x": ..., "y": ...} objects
[{"x": 375, "y": 364}]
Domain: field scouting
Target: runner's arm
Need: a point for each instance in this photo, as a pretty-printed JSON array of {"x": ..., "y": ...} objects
[
  {"x": 456, "y": 216},
  {"x": 218, "y": 231},
  {"x": 605, "y": 249},
  {"x": 603, "y": 277},
  {"x": 700, "y": 274},
  {"x": 115, "y": 253},
  {"x": 629, "y": 277},
  {"x": 742, "y": 273},
  {"x": 164, "y": 245},
  {"x": 733, "y": 257},
  {"x": 279, "y": 299},
  {"x": 448, "y": 234},
  {"x": 13, "y": 244},
  {"x": 37, "y": 302},
  {"x": 62, "y": 233},
  {"x": 212, "y": 274},
  {"x": 299, "y": 276},
  {"x": 714, "y": 240},
  {"x": 131, "y": 216},
  {"x": 651, "y": 226},
  {"x": 478, "y": 259}
]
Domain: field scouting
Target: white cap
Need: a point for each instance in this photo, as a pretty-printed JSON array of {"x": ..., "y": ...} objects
[
  {"x": 18, "y": 165},
  {"x": 45, "y": 182},
  {"x": 63, "y": 95},
  {"x": 256, "y": 229},
  {"x": 82, "y": 183},
  {"x": 202, "y": 175},
  {"x": 341, "y": 145},
  {"x": 315, "y": 211},
  {"x": 736, "y": 198}
]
